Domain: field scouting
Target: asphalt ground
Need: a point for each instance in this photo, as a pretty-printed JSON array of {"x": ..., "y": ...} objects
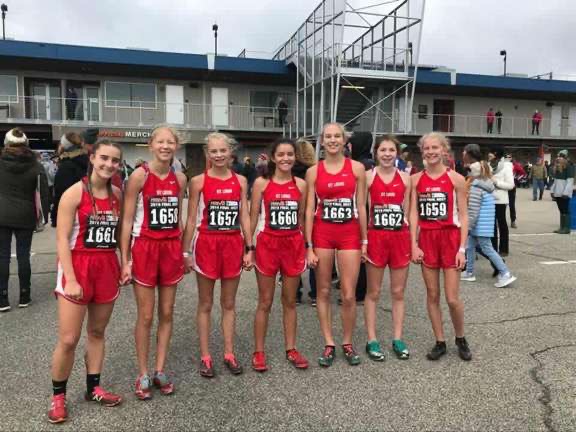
[{"x": 522, "y": 377}]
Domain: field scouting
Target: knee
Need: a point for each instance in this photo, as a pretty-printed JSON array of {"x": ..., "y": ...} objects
[
  {"x": 433, "y": 298},
  {"x": 348, "y": 299},
  {"x": 95, "y": 333},
  {"x": 288, "y": 302},
  {"x": 165, "y": 315},
  {"x": 228, "y": 305},
  {"x": 205, "y": 307},
  {"x": 146, "y": 318},
  {"x": 453, "y": 302},
  {"x": 373, "y": 295},
  {"x": 265, "y": 305},
  {"x": 397, "y": 294},
  {"x": 323, "y": 291},
  {"x": 68, "y": 341}
]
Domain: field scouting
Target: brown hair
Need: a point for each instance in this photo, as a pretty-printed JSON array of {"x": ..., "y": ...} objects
[
  {"x": 305, "y": 152},
  {"x": 380, "y": 140},
  {"x": 272, "y": 150},
  {"x": 111, "y": 197}
]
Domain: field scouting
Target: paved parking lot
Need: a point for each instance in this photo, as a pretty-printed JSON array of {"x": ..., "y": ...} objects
[{"x": 522, "y": 377}]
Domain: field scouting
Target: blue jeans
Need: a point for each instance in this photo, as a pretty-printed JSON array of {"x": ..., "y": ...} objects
[
  {"x": 485, "y": 245},
  {"x": 537, "y": 185}
]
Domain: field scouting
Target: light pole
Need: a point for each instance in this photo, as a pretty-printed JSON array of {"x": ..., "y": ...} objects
[
  {"x": 215, "y": 30},
  {"x": 503, "y": 53},
  {"x": 4, "y": 8}
]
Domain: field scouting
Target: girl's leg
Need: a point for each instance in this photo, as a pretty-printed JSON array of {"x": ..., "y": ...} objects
[
  {"x": 455, "y": 305},
  {"x": 266, "y": 285},
  {"x": 289, "y": 290},
  {"x": 348, "y": 266},
  {"x": 203, "y": 319},
  {"x": 470, "y": 254},
  {"x": 98, "y": 318},
  {"x": 323, "y": 284},
  {"x": 398, "y": 278},
  {"x": 374, "y": 277},
  {"x": 145, "y": 299},
  {"x": 432, "y": 281},
  {"x": 70, "y": 319},
  {"x": 492, "y": 255},
  {"x": 228, "y": 290},
  {"x": 166, "y": 297}
]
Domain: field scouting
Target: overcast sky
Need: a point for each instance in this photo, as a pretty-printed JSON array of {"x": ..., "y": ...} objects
[{"x": 466, "y": 35}]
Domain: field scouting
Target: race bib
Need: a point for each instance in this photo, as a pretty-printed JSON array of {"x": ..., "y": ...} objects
[
  {"x": 223, "y": 215},
  {"x": 339, "y": 210},
  {"x": 163, "y": 212},
  {"x": 388, "y": 217},
  {"x": 433, "y": 206},
  {"x": 283, "y": 215},
  {"x": 101, "y": 232}
]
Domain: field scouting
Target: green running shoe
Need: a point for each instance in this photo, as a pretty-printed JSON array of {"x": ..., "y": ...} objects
[
  {"x": 400, "y": 349},
  {"x": 374, "y": 351},
  {"x": 351, "y": 355},
  {"x": 328, "y": 356}
]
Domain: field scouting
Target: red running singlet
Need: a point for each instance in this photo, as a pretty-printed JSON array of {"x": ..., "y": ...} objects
[
  {"x": 336, "y": 195},
  {"x": 219, "y": 205},
  {"x": 280, "y": 208},
  {"x": 436, "y": 202},
  {"x": 386, "y": 200},
  {"x": 157, "y": 210},
  {"x": 94, "y": 227}
]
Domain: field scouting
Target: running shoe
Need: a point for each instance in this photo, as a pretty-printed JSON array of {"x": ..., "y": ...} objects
[
  {"x": 351, "y": 355},
  {"x": 232, "y": 364},
  {"x": 374, "y": 351},
  {"x": 25, "y": 299},
  {"x": 468, "y": 277},
  {"x": 400, "y": 349},
  {"x": 313, "y": 302},
  {"x": 463, "y": 349},
  {"x": 4, "y": 303},
  {"x": 143, "y": 387},
  {"x": 297, "y": 359},
  {"x": 103, "y": 397},
  {"x": 206, "y": 368},
  {"x": 505, "y": 280},
  {"x": 58, "y": 412},
  {"x": 328, "y": 356},
  {"x": 163, "y": 382},
  {"x": 259, "y": 361},
  {"x": 437, "y": 351}
]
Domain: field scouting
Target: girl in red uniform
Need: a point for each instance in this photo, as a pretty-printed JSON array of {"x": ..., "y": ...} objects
[
  {"x": 438, "y": 229},
  {"x": 152, "y": 209},
  {"x": 336, "y": 221},
  {"x": 388, "y": 243},
  {"x": 277, "y": 211},
  {"x": 88, "y": 275},
  {"x": 218, "y": 221}
]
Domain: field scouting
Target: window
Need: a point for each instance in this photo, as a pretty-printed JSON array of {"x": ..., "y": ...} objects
[
  {"x": 422, "y": 111},
  {"x": 128, "y": 95},
  {"x": 8, "y": 89}
]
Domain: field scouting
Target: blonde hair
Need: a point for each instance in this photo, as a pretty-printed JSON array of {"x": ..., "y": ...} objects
[
  {"x": 212, "y": 136},
  {"x": 305, "y": 152},
  {"x": 345, "y": 134},
  {"x": 441, "y": 138},
  {"x": 169, "y": 128}
]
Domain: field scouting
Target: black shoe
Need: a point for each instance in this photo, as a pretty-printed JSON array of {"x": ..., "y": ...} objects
[
  {"x": 25, "y": 299},
  {"x": 503, "y": 254},
  {"x": 4, "y": 303},
  {"x": 463, "y": 349},
  {"x": 495, "y": 273},
  {"x": 437, "y": 351},
  {"x": 313, "y": 302}
]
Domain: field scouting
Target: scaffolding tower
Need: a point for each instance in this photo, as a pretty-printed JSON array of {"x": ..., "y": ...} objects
[{"x": 357, "y": 64}]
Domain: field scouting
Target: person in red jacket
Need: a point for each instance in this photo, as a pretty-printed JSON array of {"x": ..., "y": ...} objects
[
  {"x": 490, "y": 117},
  {"x": 536, "y": 120}
]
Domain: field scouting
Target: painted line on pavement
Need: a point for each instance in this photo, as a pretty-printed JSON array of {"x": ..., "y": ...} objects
[{"x": 557, "y": 262}]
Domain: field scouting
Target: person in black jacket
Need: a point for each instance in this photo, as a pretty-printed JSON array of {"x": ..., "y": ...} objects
[
  {"x": 20, "y": 176},
  {"x": 72, "y": 167}
]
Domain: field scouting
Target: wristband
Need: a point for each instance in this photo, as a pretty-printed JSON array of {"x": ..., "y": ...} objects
[
  {"x": 187, "y": 254},
  {"x": 308, "y": 245},
  {"x": 364, "y": 242},
  {"x": 249, "y": 248},
  {"x": 461, "y": 250}
]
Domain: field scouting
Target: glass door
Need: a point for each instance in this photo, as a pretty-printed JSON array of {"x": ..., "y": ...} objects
[
  {"x": 91, "y": 96},
  {"x": 40, "y": 103}
]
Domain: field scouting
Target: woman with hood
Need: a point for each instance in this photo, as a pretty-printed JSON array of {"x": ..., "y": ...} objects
[
  {"x": 503, "y": 179},
  {"x": 562, "y": 189},
  {"x": 481, "y": 215},
  {"x": 20, "y": 175}
]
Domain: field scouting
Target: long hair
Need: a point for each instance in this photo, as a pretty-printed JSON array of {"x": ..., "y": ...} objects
[
  {"x": 305, "y": 152},
  {"x": 474, "y": 154},
  {"x": 380, "y": 140},
  {"x": 111, "y": 197},
  {"x": 272, "y": 150}
]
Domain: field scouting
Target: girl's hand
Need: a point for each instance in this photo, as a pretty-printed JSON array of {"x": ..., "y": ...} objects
[
  {"x": 73, "y": 290},
  {"x": 126, "y": 275},
  {"x": 248, "y": 261},
  {"x": 417, "y": 255},
  {"x": 460, "y": 260},
  {"x": 364, "y": 256},
  {"x": 188, "y": 264},
  {"x": 312, "y": 258}
]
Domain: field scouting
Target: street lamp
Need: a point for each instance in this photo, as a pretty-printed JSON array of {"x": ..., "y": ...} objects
[
  {"x": 503, "y": 53},
  {"x": 4, "y": 10},
  {"x": 215, "y": 30}
]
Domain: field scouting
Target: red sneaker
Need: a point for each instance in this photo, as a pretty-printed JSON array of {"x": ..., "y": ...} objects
[
  {"x": 259, "y": 361},
  {"x": 143, "y": 387},
  {"x": 163, "y": 382},
  {"x": 297, "y": 359},
  {"x": 103, "y": 397},
  {"x": 58, "y": 412}
]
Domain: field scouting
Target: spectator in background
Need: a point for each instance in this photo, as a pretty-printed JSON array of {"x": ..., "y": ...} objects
[
  {"x": 282, "y": 111},
  {"x": 490, "y": 120},
  {"x": 89, "y": 138},
  {"x": 401, "y": 163},
  {"x": 562, "y": 190},
  {"x": 249, "y": 171},
  {"x": 498, "y": 116},
  {"x": 50, "y": 170},
  {"x": 237, "y": 166},
  {"x": 519, "y": 176},
  {"x": 539, "y": 174},
  {"x": 71, "y": 103},
  {"x": 549, "y": 179},
  {"x": 72, "y": 167},
  {"x": 503, "y": 179},
  {"x": 536, "y": 120},
  {"x": 20, "y": 176}
]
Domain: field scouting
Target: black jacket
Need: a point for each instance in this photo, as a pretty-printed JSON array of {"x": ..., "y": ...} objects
[
  {"x": 72, "y": 168},
  {"x": 18, "y": 180}
]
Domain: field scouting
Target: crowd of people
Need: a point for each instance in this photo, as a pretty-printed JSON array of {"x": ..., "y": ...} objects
[{"x": 358, "y": 213}]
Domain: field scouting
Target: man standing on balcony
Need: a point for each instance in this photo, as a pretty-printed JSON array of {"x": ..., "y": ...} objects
[
  {"x": 71, "y": 102},
  {"x": 282, "y": 111},
  {"x": 536, "y": 120},
  {"x": 499, "y": 120},
  {"x": 490, "y": 121}
]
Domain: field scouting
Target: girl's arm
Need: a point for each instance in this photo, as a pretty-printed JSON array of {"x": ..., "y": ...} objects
[
  {"x": 66, "y": 214},
  {"x": 301, "y": 185},
  {"x": 407, "y": 194},
  {"x": 361, "y": 189},
  {"x": 257, "y": 189},
  {"x": 182, "y": 182},
  {"x": 310, "y": 208},
  {"x": 245, "y": 223},
  {"x": 417, "y": 253},
  {"x": 194, "y": 190},
  {"x": 460, "y": 188}
]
